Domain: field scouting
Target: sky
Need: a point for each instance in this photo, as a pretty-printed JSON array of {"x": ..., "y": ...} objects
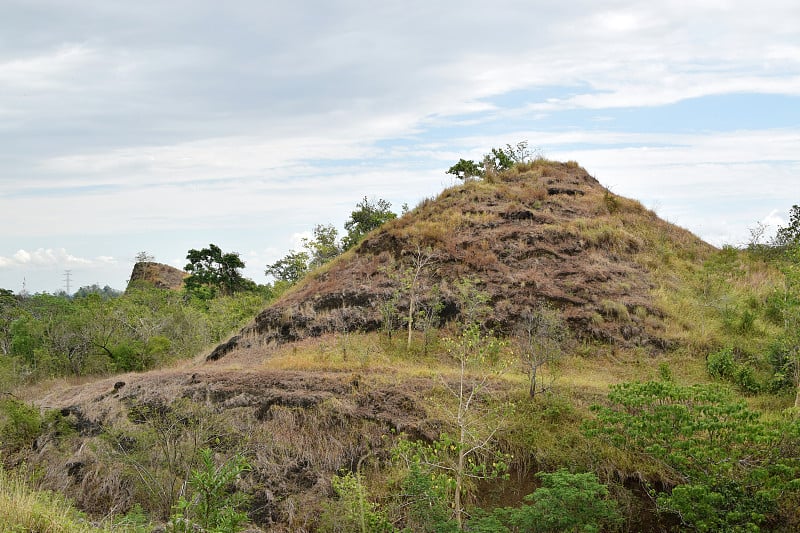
[{"x": 163, "y": 126}]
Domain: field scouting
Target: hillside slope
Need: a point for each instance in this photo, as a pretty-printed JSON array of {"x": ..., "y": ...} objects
[{"x": 543, "y": 232}]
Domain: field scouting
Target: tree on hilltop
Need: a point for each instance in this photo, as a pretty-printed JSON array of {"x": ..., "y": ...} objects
[
  {"x": 365, "y": 218},
  {"x": 465, "y": 169}
]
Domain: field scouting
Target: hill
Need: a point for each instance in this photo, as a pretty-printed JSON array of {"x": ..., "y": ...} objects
[
  {"x": 347, "y": 416},
  {"x": 543, "y": 233},
  {"x": 157, "y": 275}
]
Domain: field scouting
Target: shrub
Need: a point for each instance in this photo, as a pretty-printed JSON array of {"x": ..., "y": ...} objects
[
  {"x": 211, "y": 506},
  {"x": 565, "y": 502},
  {"x": 425, "y": 499},
  {"x": 352, "y": 511},
  {"x": 20, "y": 424},
  {"x": 729, "y": 466},
  {"x": 746, "y": 379},
  {"x": 720, "y": 364}
]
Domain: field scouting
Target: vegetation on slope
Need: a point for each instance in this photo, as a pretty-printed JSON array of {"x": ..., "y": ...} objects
[{"x": 665, "y": 372}]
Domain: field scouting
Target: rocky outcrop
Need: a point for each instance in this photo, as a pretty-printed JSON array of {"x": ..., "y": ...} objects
[{"x": 157, "y": 275}]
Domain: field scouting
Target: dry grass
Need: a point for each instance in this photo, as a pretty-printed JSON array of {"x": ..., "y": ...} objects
[{"x": 24, "y": 509}]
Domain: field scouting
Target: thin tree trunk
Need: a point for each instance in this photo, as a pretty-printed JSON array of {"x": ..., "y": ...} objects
[{"x": 410, "y": 318}]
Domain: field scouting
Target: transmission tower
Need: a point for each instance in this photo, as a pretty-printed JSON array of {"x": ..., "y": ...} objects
[{"x": 67, "y": 277}]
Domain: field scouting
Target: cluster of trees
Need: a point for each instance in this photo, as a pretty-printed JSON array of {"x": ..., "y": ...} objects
[
  {"x": 498, "y": 160},
  {"x": 325, "y": 243},
  {"x": 99, "y": 329},
  {"x": 47, "y": 335},
  {"x": 213, "y": 272},
  {"x": 730, "y": 469}
]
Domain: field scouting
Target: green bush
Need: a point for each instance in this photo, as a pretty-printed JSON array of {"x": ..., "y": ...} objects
[
  {"x": 211, "y": 506},
  {"x": 352, "y": 511},
  {"x": 745, "y": 378},
  {"x": 732, "y": 469},
  {"x": 565, "y": 502},
  {"x": 20, "y": 424},
  {"x": 425, "y": 499},
  {"x": 720, "y": 364}
]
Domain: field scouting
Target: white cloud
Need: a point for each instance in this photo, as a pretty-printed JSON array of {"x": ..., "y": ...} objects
[
  {"x": 50, "y": 257},
  {"x": 22, "y": 257},
  {"x": 46, "y": 71},
  {"x": 264, "y": 118},
  {"x": 774, "y": 220}
]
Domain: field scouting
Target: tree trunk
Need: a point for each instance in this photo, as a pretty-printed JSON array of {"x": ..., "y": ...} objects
[
  {"x": 410, "y": 319},
  {"x": 459, "y": 485}
]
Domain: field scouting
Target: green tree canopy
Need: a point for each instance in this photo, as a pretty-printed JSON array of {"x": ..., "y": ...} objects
[
  {"x": 215, "y": 271},
  {"x": 366, "y": 217},
  {"x": 291, "y": 268},
  {"x": 465, "y": 169},
  {"x": 790, "y": 234},
  {"x": 324, "y": 245}
]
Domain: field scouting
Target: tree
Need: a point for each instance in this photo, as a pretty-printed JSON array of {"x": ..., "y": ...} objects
[
  {"x": 291, "y": 268},
  {"x": 104, "y": 292},
  {"x": 473, "y": 352},
  {"x": 497, "y": 160},
  {"x": 323, "y": 246},
  {"x": 421, "y": 259},
  {"x": 9, "y": 312},
  {"x": 790, "y": 234},
  {"x": 786, "y": 304},
  {"x": 366, "y": 217},
  {"x": 213, "y": 270},
  {"x": 144, "y": 257},
  {"x": 465, "y": 170},
  {"x": 469, "y": 455},
  {"x": 540, "y": 334}
]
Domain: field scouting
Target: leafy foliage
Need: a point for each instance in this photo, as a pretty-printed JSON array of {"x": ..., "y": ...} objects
[
  {"x": 723, "y": 458},
  {"x": 323, "y": 245},
  {"x": 366, "y": 217},
  {"x": 211, "y": 505},
  {"x": 213, "y": 271},
  {"x": 565, "y": 502},
  {"x": 20, "y": 424},
  {"x": 789, "y": 235},
  {"x": 352, "y": 511},
  {"x": 455, "y": 462},
  {"x": 465, "y": 169},
  {"x": 291, "y": 268},
  {"x": 497, "y": 160},
  {"x": 45, "y": 336}
]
